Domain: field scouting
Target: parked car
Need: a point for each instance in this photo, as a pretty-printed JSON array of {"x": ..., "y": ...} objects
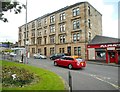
[
  {"x": 56, "y": 56},
  {"x": 12, "y": 54},
  {"x": 70, "y": 62},
  {"x": 39, "y": 56}
]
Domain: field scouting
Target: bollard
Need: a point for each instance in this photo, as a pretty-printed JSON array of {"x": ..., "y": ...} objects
[{"x": 70, "y": 81}]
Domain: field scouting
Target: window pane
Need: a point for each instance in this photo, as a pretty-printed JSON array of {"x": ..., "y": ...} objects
[
  {"x": 73, "y": 12},
  {"x": 89, "y": 10},
  {"x": 75, "y": 50},
  {"x": 52, "y": 19},
  {"x": 78, "y": 24},
  {"x": 52, "y": 50},
  {"x": 63, "y": 39},
  {"x": 89, "y": 24},
  {"x": 74, "y": 25},
  {"x": 79, "y": 51},
  {"x": 60, "y": 50},
  {"x": 74, "y": 37},
  {"x": 76, "y": 11},
  {"x": 78, "y": 36}
]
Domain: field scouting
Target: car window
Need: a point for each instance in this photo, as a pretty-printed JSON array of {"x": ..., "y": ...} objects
[
  {"x": 69, "y": 58},
  {"x": 63, "y": 58},
  {"x": 79, "y": 59}
]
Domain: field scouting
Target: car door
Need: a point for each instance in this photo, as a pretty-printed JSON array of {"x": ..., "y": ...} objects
[
  {"x": 68, "y": 61},
  {"x": 62, "y": 61}
]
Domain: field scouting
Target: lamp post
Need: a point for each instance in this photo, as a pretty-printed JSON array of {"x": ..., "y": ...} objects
[{"x": 26, "y": 49}]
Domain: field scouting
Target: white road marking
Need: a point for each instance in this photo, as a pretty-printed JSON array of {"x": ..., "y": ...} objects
[
  {"x": 95, "y": 76},
  {"x": 106, "y": 78},
  {"x": 116, "y": 86}
]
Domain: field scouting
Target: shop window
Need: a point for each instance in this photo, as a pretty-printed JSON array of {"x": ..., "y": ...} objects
[
  {"x": 118, "y": 56},
  {"x": 100, "y": 54}
]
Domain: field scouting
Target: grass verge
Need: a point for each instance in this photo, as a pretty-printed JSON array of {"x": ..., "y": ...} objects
[{"x": 48, "y": 80}]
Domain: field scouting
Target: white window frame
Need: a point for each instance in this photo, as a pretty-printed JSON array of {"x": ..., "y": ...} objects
[{"x": 76, "y": 11}]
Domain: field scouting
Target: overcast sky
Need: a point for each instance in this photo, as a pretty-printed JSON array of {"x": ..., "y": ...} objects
[{"x": 37, "y": 8}]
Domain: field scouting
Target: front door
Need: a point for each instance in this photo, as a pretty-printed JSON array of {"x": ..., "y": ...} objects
[
  {"x": 111, "y": 56},
  {"x": 118, "y": 56},
  {"x": 45, "y": 51}
]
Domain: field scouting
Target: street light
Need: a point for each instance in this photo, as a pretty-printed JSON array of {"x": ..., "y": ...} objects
[{"x": 26, "y": 49}]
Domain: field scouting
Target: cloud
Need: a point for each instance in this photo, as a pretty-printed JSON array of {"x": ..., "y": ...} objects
[{"x": 109, "y": 23}]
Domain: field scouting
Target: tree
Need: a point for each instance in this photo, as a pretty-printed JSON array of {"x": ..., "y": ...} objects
[
  {"x": 10, "y": 5},
  {"x": 8, "y": 43}
]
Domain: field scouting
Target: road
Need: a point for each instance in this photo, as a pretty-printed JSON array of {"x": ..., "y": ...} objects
[{"x": 93, "y": 77}]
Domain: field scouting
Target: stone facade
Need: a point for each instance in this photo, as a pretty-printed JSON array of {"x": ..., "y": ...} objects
[{"x": 67, "y": 30}]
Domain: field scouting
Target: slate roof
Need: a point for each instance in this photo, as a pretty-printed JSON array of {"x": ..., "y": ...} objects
[{"x": 104, "y": 39}]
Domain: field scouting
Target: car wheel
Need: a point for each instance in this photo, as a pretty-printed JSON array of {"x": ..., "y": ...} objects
[
  {"x": 70, "y": 66},
  {"x": 51, "y": 58},
  {"x": 55, "y": 63}
]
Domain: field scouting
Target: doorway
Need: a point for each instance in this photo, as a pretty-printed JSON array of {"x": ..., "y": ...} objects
[
  {"x": 118, "y": 56},
  {"x": 111, "y": 56},
  {"x": 45, "y": 51}
]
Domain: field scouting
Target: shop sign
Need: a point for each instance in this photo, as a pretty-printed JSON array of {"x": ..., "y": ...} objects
[
  {"x": 111, "y": 48},
  {"x": 110, "y": 45},
  {"x": 117, "y": 48}
]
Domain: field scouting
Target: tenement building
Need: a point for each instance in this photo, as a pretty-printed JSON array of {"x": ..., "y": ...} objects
[{"x": 67, "y": 30}]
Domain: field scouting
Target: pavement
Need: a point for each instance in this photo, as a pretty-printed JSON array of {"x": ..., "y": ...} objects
[{"x": 103, "y": 63}]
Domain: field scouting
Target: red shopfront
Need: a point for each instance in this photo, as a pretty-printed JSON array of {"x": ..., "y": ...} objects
[{"x": 109, "y": 53}]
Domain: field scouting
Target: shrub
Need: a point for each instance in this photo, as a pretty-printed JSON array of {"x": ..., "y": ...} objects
[{"x": 14, "y": 76}]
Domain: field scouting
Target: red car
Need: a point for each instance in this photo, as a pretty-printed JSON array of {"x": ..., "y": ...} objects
[{"x": 70, "y": 62}]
